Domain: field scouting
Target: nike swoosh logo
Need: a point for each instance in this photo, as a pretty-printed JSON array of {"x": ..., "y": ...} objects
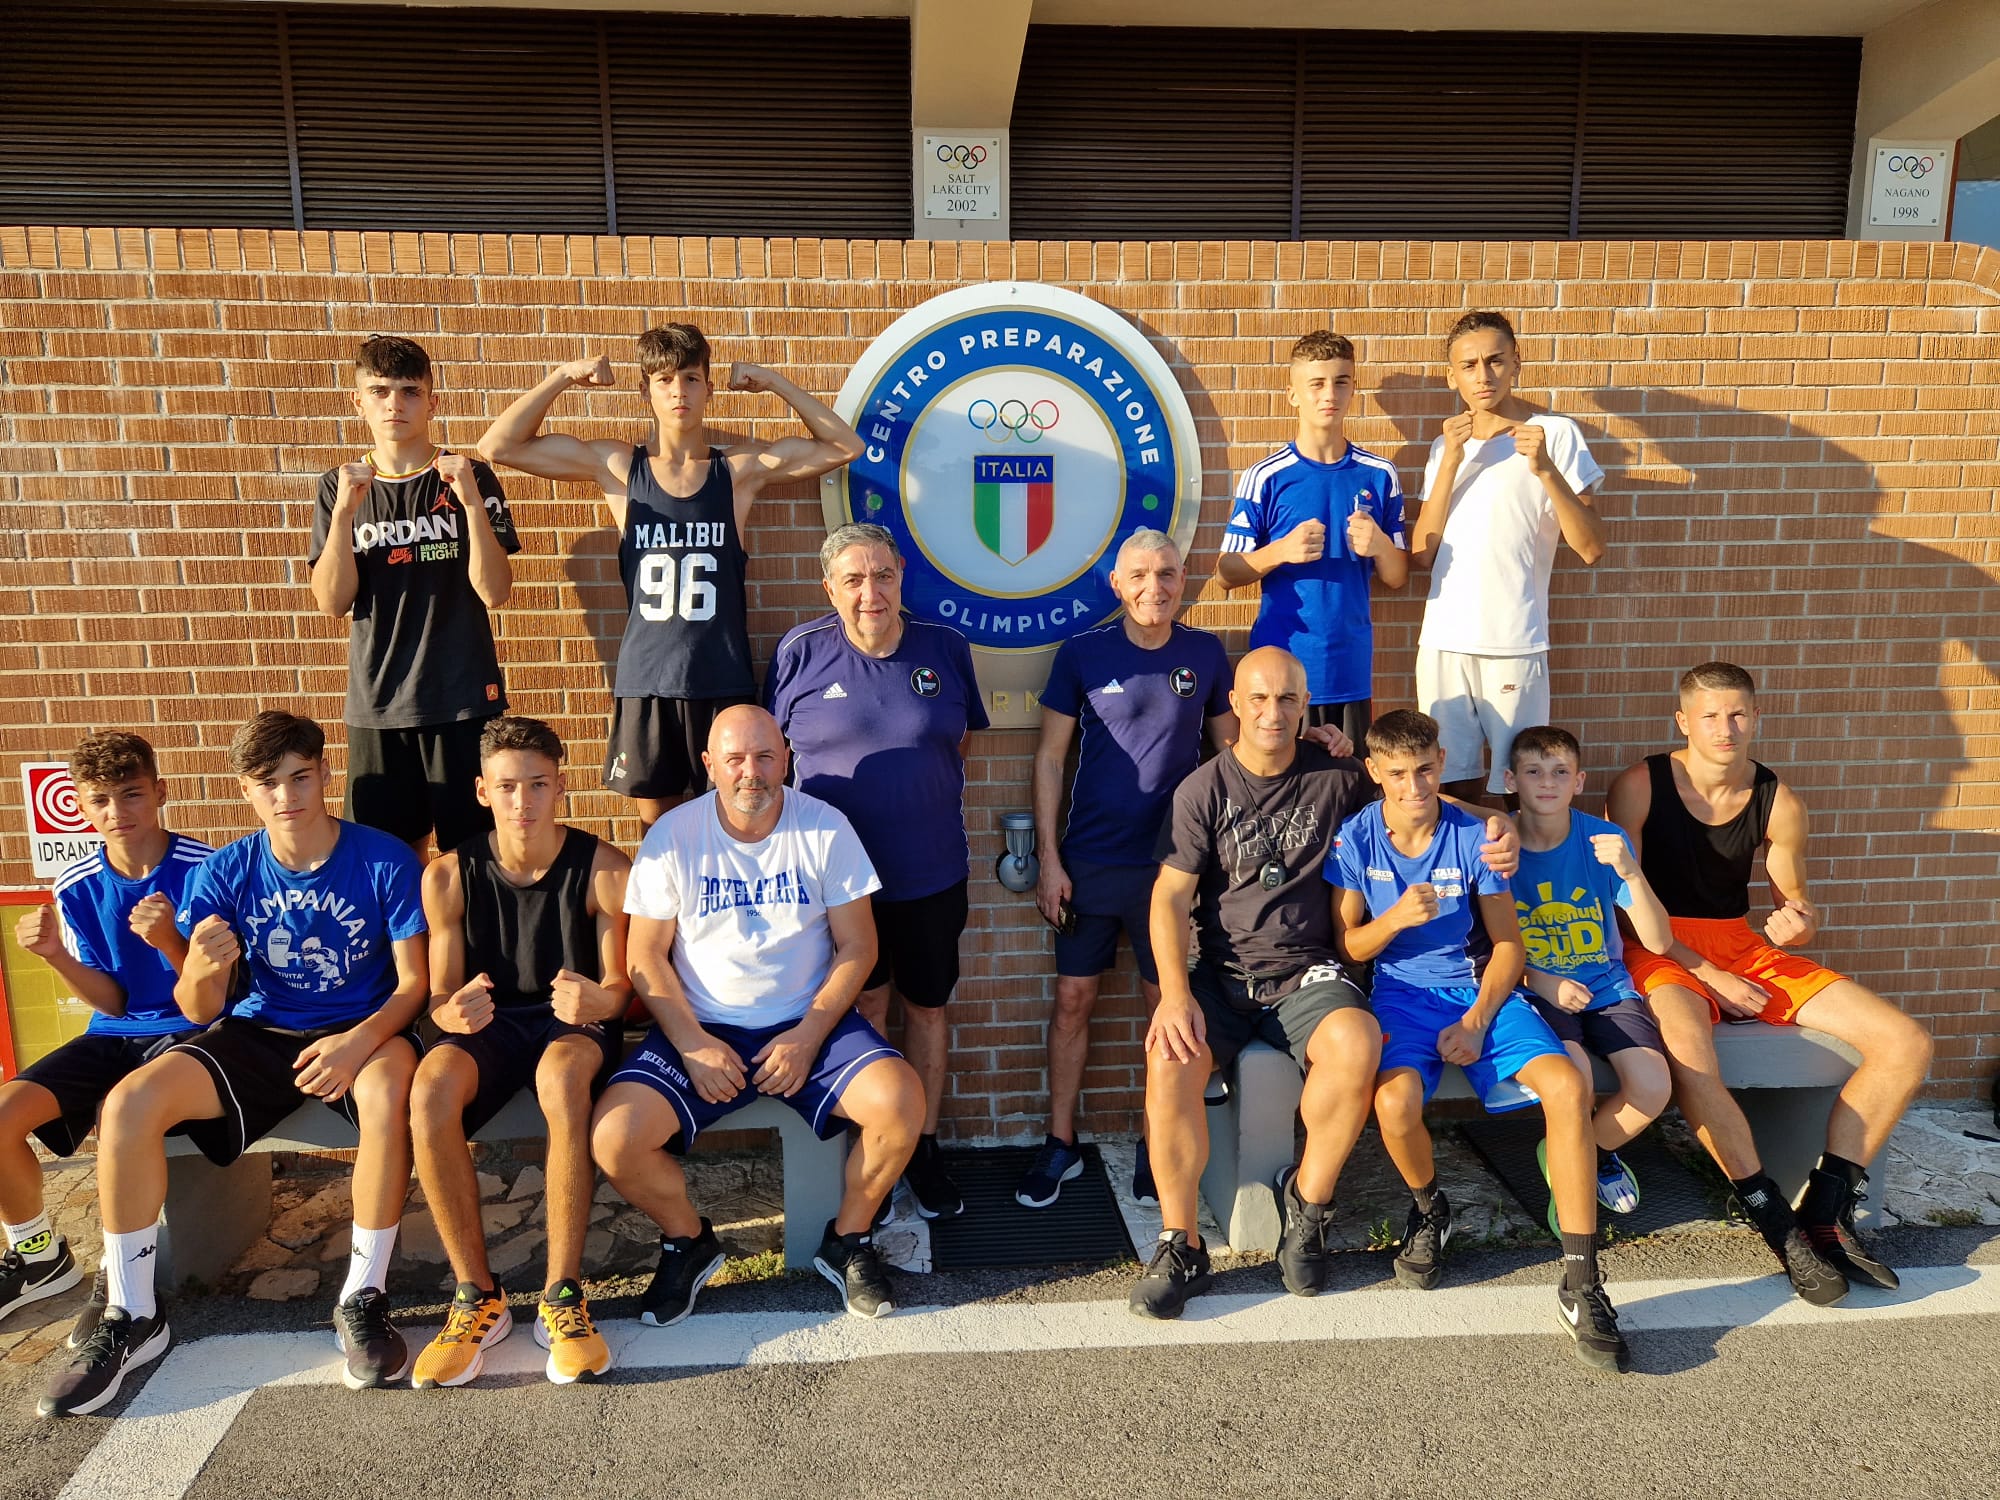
[{"x": 1574, "y": 1314}]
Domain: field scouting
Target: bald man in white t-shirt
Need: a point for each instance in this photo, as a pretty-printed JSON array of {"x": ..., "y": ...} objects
[{"x": 1503, "y": 484}]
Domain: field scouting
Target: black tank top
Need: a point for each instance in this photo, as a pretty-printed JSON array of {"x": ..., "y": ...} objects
[
  {"x": 522, "y": 936},
  {"x": 688, "y": 633},
  {"x": 1699, "y": 869}
]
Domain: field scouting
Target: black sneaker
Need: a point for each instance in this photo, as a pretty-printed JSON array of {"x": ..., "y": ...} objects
[
  {"x": 1420, "y": 1258},
  {"x": 91, "y": 1379},
  {"x": 1301, "y": 1257},
  {"x": 1593, "y": 1322},
  {"x": 1827, "y": 1217},
  {"x": 1176, "y": 1272},
  {"x": 92, "y": 1311},
  {"x": 684, "y": 1269},
  {"x": 851, "y": 1263},
  {"x": 376, "y": 1353},
  {"x": 937, "y": 1195},
  {"x": 1056, "y": 1163},
  {"x": 1143, "y": 1188},
  {"x": 23, "y": 1281}
]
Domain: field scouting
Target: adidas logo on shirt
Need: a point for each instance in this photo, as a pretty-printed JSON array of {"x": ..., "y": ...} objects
[
  {"x": 836, "y": 691},
  {"x": 1113, "y": 686}
]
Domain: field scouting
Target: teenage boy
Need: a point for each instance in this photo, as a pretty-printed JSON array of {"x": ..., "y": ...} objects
[
  {"x": 1410, "y": 881},
  {"x": 413, "y": 542},
  {"x": 1503, "y": 483},
  {"x": 528, "y": 987},
  {"x": 1317, "y": 523},
  {"x": 110, "y": 937},
  {"x": 680, "y": 504},
  {"x": 1699, "y": 815},
  {"x": 306, "y": 952},
  {"x": 1574, "y": 870},
  {"x": 750, "y": 940}
]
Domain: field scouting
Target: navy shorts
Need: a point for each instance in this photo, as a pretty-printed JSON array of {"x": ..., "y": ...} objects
[
  {"x": 410, "y": 782},
  {"x": 1235, "y": 1017},
  {"x": 82, "y": 1071},
  {"x": 1108, "y": 899},
  {"x": 1412, "y": 1018},
  {"x": 916, "y": 944},
  {"x": 653, "y": 748},
  {"x": 507, "y": 1049},
  {"x": 1621, "y": 1026},
  {"x": 849, "y": 1047}
]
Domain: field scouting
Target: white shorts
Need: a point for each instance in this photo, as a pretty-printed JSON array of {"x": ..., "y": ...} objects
[{"x": 1481, "y": 700}]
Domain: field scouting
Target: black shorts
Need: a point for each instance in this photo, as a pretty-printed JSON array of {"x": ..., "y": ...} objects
[
  {"x": 1303, "y": 1001},
  {"x": 1351, "y": 719},
  {"x": 251, "y": 1067},
  {"x": 409, "y": 782},
  {"x": 916, "y": 943},
  {"x": 1106, "y": 900},
  {"x": 1617, "y": 1027},
  {"x": 509, "y": 1047},
  {"x": 655, "y": 745},
  {"x": 82, "y": 1071}
]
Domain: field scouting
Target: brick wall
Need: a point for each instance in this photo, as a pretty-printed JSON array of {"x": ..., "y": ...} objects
[{"x": 1800, "y": 438}]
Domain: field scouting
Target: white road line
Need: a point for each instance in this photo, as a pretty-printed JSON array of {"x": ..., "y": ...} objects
[{"x": 155, "y": 1450}]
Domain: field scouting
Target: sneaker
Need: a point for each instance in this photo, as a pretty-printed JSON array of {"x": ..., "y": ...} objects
[
  {"x": 1813, "y": 1277},
  {"x": 1143, "y": 1189},
  {"x": 92, "y": 1311},
  {"x": 577, "y": 1351},
  {"x": 937, "y": 1195},
  {"x": 376, "y": 1353},
  {"x": 118, "y": 1343},
  {"x": 684, "y": 1268},
  {"x": 1827, "y": 1216},
  {"x": 1420, "y": 1258},
  {"x": 1301, "y": 1256},
  {"x": 1593, "y": 1322},
  {"x": 23, "y": 1281},
  {"x": 476, "y": 1321},
  {"x": 1617, "y": 1188},
  {"x": 1176, "y": 1272},
  {"x": 1056, "y": 1163},
  {"x": 850, "y": 1262}
]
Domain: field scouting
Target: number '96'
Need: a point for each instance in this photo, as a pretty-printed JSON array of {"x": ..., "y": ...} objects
[{"x": 656, "y": 582}]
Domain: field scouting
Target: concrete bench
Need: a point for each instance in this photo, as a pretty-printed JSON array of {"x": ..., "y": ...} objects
[
  {"x": 1784, "y": 1077},
  {"x": 213, "y": 1214}
]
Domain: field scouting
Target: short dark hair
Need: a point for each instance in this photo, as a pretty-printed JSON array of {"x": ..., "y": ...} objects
[
  {"x": 109, "y": 757},
  {"x": 393, "y": 358},
  {"x": 1544, "y": 739},
  {"x": 517, "y": 732},
  {"x": 671, "y": 347},
  {"x": 1402, "y": 731},
  {"x": 1718, "y": 677},
  {"x": 1322, "y": 343},
  {"x": 267, "y": 739},
  {"x": 1480, "y": 322}
]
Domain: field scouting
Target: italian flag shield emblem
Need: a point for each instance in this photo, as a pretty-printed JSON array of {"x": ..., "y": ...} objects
[{"x": 1013, "y": 503}]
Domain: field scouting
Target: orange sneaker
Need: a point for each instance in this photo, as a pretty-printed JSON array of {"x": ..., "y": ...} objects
[
  {"x": 577, "y": 1351},
  {"x": 477, "y": 1321}
]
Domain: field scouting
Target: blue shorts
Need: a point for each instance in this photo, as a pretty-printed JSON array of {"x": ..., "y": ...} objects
[
  {"x": 849, "y": 1047},
  {"x": 1412, "y": 1018}
]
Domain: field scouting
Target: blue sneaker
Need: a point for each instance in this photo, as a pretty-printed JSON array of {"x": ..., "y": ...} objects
[
  {"x": 1057, "y": 1162},
  {"x": 1617, "y": 1188}
]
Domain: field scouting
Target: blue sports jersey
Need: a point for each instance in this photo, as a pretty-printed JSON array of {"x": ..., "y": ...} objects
[
  {"x": 317, "y": 944},
  {"x": 1562, "y": 895},
  {"x": 878, "y": 738},
  {"x": 1141, "y": 714},
  {"x": 1317, "y": 611},
  {"x": 1432, "y": 956},
  {"x": 94, "y": 903}
]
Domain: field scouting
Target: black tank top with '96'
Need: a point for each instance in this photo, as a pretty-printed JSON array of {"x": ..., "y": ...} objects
[{"x": 682, "y": 561}]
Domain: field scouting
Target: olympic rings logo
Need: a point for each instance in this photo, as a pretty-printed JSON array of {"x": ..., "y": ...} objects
[
  {"x": 1916, "y": 168},
  {"x": 1013, "y": 419},
  {"x": 967, "y": 157}
]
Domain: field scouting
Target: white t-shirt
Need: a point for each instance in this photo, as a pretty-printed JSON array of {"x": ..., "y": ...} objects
[
  {"x": 752, "y": 946},
  {"x": 1490, "y": 580}
]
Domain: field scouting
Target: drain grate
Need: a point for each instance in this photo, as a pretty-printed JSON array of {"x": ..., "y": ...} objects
[
  {"x": 996, "y": 1233},
  {"x": 1670, "y": 1196}
]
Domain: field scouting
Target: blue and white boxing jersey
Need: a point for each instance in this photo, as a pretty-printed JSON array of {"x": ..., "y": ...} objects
[{"x": 94, "y": 903}]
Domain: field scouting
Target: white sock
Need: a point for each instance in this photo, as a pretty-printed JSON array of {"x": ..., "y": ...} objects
[
  {"x": 34, "y": 1239},
  {"x": 128, "y": 1270},
  {"x": 368, "y": 1261}
]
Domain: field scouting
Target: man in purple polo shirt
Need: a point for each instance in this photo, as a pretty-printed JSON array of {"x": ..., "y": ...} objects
[{"x": 878, "y": 708}]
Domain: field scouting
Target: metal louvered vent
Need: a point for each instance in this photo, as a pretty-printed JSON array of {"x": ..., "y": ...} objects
[
  {"x": 147, "y": 116},
  {"x": 711, "y": 135}
]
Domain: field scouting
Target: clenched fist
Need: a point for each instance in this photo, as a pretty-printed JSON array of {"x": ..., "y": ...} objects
[
  {"x": 1304, "y": 543},
  {"x": 152, "y": 921},
  {"x": 355, "y": 478},
  {"x": 1364, "y": 537},
  {"x": 467, "y": 1009},
  {"x": 1531, "y": 441},
  {"x": 1415, "y": 906},
  {"x": 746, "y": 377},
  {"x": 212, "y": 948},
  {"x": 590, "y": 370},
  {"x": 1457, "y": 433},
  {"x": 455, "y": 469},
  {"x": 1611, "y": 849},
  {"x": 40, "y": 932}
]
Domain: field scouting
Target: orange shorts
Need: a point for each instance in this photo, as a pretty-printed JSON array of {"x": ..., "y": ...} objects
[{"x": 1787, "y": 978}]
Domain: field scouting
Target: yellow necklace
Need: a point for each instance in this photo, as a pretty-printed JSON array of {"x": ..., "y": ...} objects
[{"x": 369, "y": 459}]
